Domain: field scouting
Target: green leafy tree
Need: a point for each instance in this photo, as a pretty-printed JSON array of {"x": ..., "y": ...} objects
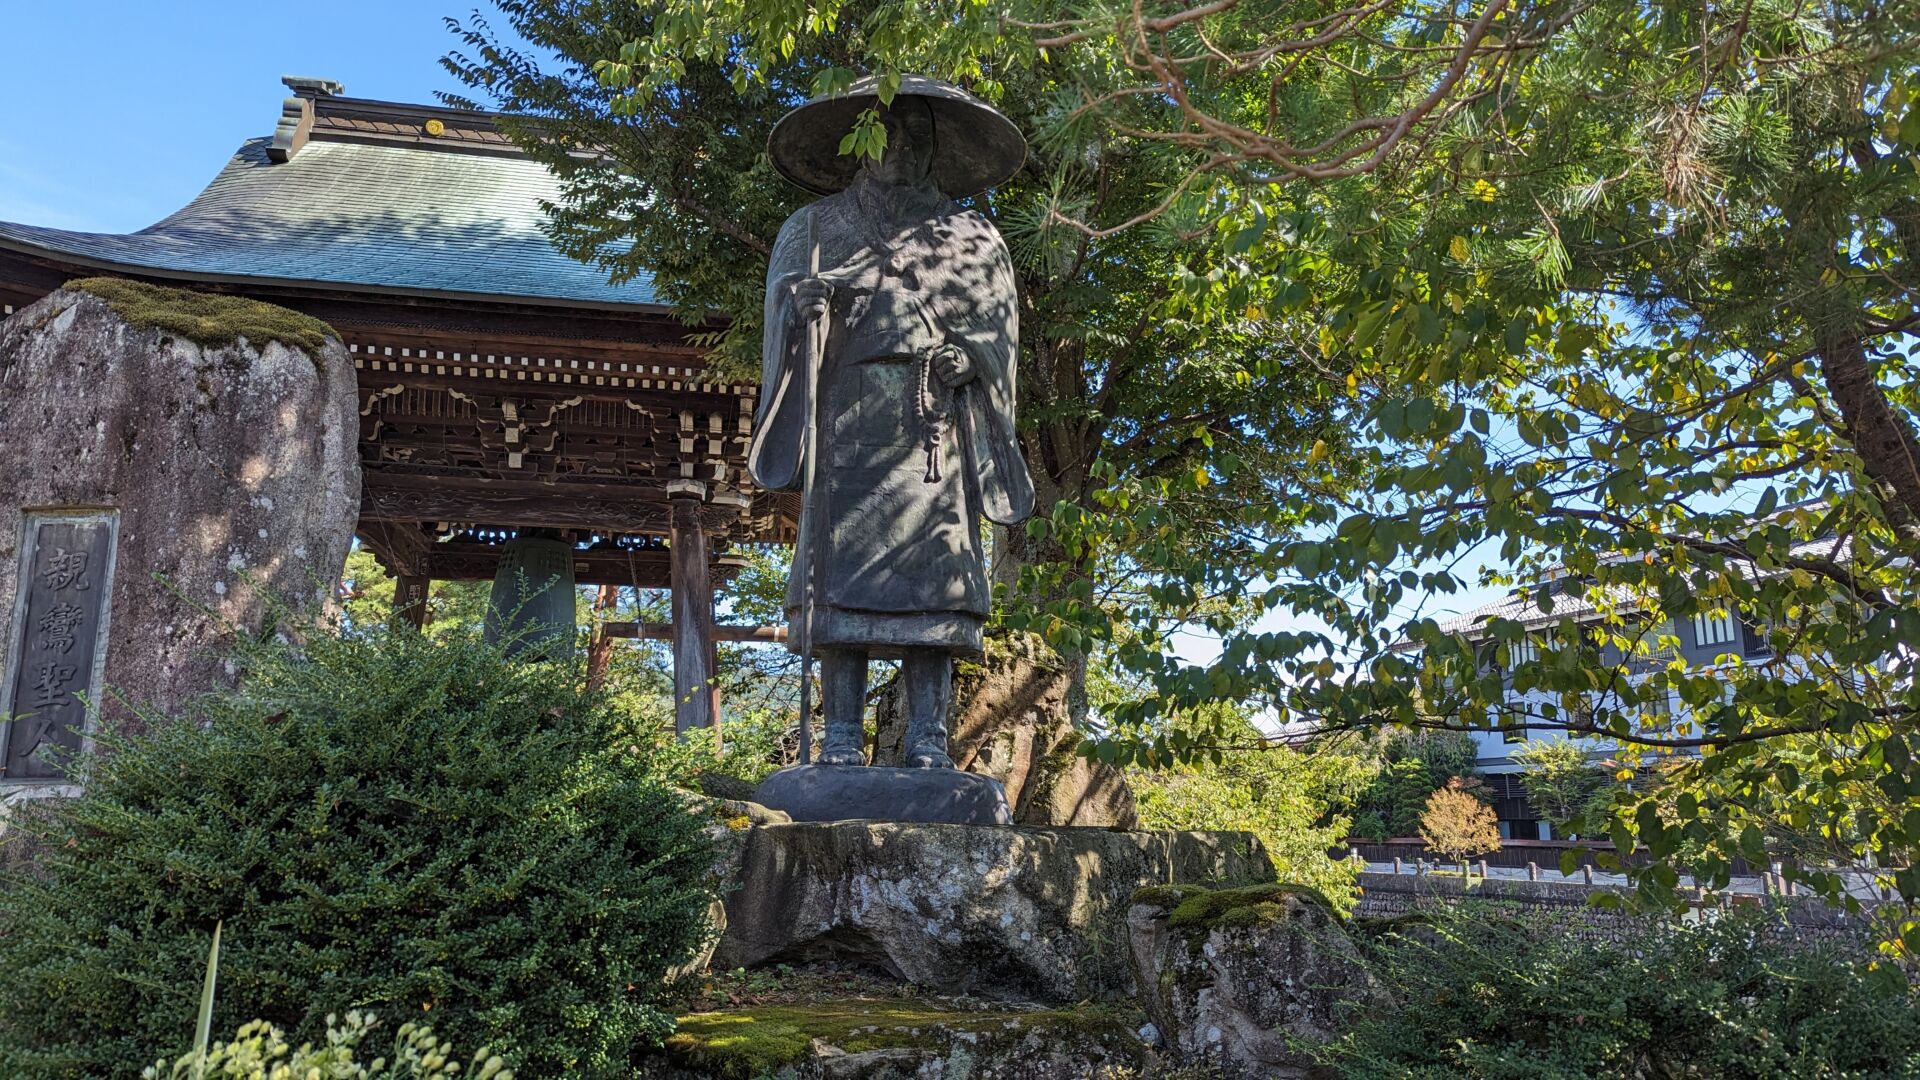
[
  {"x": 1638, "y": 314},
  {"x": 1411, "y": 765},
  {"x": 1162, "y": 447},
  {"x": 1564, "y": 784},
  {"x": 1633, "y": 303}
]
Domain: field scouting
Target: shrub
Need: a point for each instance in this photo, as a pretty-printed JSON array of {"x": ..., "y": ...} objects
[
  {"x": 1478, "y": 996},
  {"x": 1457, "y": 825},
  {"x": 752, "y": 750},
  {"x": 1564, "y": 785},
  {"x": 1277, "y": 793},
  {"x": 382, "y": 821}
]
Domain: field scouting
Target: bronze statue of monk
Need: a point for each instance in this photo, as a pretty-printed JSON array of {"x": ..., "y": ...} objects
[{"x": 905, "y": 301}]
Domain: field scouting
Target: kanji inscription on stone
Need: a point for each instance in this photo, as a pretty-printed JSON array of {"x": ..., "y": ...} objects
[{"x": 62, "y": 599}]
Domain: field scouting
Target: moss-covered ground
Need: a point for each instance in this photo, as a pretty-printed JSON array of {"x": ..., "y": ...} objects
[
  {"x": 207, "y": 319},
  {"x": 765, "y": 1023}
]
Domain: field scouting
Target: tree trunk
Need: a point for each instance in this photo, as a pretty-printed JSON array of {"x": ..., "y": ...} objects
[
  {"x": 1883, "y": 439},
  {"x": 1057, "y": 464}
]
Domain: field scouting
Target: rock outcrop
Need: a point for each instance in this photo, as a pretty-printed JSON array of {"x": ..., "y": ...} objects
[
  {"x": 1010, "y": 913},
  {"x": 1230, "y": 977},
  {"x": 1011, "y": 722},
  {"x": 216, "y": 437}
]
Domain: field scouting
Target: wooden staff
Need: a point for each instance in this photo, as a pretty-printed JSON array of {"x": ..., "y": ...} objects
[{"x": 811, "y": 354}]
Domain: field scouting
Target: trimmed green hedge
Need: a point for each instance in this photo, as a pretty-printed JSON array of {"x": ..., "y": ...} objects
[{"x": 384, "y": 822}]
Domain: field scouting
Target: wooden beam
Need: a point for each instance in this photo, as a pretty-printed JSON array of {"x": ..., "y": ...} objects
[
  {"x": 641, "y": 568},
  {"x": 692, "y": 618},
  {"x": 645, "y": 568},
  {"x": 656, "y": 631},
  {"x": 620, "y": 508},
  {"x": 665, "y": 392},
  {"x": 400, "y": 546},
  {"x": 639, "y": 507}
]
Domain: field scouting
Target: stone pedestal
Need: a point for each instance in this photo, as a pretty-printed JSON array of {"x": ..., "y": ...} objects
[
  {"x": 1006, "y": 912},
  {"x": 157, "y": 494},
  {"x": 857, "y": 792}
]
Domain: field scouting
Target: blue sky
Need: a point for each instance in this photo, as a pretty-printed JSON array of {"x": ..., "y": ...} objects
[{"x": 115, "y": 114}]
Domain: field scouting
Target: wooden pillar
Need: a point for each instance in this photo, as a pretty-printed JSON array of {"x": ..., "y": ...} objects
[
  {"x": 692, "y": 610},
  {"x": 600, "y": 645},
  {"x": 410, "y": 600}
]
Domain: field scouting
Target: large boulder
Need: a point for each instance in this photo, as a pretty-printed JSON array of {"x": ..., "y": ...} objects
[
  {"x": 729, "y": 823},
  {"x": 1011, "y": 722},
  {"x": 1012, "y": 913},
  {"x": 206, "y": 446},
  {"x": 1231, "y": 977}
]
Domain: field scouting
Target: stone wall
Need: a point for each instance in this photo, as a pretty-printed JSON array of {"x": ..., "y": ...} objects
[{"x": 1564, "y": 908}]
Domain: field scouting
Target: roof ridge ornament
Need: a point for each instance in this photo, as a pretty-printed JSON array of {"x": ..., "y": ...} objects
[
  {"x": 313, "y": 88},
  {"x": 296, "y": 115}
]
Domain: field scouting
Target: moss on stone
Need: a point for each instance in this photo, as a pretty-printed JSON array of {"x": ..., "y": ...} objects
[
  {"x": 1166, "y": 896},
  {"x": 1252, "y": 905},
  {"x": 207, "y": 319},
  {"x": 742, "y": 1044}
]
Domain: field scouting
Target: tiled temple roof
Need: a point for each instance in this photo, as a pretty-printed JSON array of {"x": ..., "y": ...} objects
[{"x": 370, "y": 195}]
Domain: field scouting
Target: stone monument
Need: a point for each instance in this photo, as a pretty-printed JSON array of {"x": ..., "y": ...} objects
[
  {"x": 888, "y": 399},
  {"x": 176, "y": 467}
]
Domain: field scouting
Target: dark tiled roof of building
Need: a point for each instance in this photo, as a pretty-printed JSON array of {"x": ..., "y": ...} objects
[{"x": 368, "y": 200}]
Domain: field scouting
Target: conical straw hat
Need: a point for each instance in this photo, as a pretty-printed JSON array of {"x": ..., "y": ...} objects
[{"x": 975, "y": 147}]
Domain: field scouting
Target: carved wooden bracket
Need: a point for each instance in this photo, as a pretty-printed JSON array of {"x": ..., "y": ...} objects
[{"x": 516, "y": 427}]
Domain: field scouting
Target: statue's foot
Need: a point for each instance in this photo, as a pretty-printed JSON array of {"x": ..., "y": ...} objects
[
  {"x": 845, "y": 755},
  {"x": 929, "y": 759}
]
